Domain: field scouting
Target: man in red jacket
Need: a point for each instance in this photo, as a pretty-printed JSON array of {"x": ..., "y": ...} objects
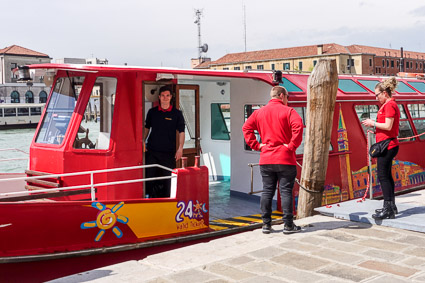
[{"x": 281, "y": 130}]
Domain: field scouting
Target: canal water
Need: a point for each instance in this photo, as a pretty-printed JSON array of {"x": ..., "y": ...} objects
[{"x": 17, "y": 142}]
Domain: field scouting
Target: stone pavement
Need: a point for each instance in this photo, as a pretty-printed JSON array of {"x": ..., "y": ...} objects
[{"x": 327, "y": 250}]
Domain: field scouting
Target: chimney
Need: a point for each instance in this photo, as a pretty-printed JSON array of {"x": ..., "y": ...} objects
[{"x": 320, "y": 49}]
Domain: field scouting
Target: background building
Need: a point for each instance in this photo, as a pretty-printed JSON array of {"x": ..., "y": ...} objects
[
  {"x": 12, "y": 91},
  {"x": 353, "y": 59}
]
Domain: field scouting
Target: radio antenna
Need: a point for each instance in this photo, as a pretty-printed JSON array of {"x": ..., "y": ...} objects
[
  {"x": 201, "y": 48},
  {"x": 244, "y": 24}
]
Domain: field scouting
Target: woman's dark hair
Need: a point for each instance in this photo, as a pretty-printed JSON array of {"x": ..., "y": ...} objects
[{"x": 388, "y": 85}]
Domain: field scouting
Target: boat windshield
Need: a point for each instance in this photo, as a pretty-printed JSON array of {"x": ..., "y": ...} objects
[{"x": 59, "y": 110}]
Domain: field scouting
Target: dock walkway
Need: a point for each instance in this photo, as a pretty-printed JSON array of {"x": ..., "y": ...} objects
[{"x": 327, "y": 250}]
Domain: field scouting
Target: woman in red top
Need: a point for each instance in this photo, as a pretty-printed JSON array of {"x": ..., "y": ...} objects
[{"x": 387, "y": 126}]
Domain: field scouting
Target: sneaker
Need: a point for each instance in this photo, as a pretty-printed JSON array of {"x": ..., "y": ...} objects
[
  {"x": 267, "y": 228},
  {"x": 291, "y": 229}
]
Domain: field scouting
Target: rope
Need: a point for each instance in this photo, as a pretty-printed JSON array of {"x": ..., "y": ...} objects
[
  {"x": 304, "y": 188},
  {"x": 408, "y": 138}
]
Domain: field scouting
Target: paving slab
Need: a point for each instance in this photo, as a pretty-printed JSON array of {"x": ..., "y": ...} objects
[{"x": 411, "y": 213}]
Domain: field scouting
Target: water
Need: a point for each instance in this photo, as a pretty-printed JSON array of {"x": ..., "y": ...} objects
[{"x": 19, "y": 139}]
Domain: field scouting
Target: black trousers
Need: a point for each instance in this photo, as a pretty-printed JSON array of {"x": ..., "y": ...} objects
[
  {"x": 285, "y": 175},
  {"x": 384, "y": 173},
  {"x": 158, "y": 188}
]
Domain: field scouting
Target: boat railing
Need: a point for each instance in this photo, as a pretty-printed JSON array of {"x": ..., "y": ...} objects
[
  {"x": 13, "y": 149},
  {"x": 92, "y": 184}
]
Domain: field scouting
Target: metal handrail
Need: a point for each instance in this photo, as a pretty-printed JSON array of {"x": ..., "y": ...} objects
[
  {"x": 252, "y": 178},
  {"x": 92, "y": 184}
]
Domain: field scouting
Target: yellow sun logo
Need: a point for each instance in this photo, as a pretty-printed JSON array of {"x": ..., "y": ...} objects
[{"x": 106, "y": 219}]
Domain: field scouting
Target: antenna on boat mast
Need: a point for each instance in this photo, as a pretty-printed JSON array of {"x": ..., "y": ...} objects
[{"x": 201, "y": 48}]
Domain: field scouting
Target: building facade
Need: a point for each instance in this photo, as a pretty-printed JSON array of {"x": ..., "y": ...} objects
[
  {"x": 12, "y": 91},
  {"x": 353, "y": 59}
]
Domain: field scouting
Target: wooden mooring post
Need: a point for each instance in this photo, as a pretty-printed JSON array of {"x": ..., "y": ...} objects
[{"x": 322, "y": 88}]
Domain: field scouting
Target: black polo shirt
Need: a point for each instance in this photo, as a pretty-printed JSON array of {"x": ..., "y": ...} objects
[{"x": 163, "y": 125}]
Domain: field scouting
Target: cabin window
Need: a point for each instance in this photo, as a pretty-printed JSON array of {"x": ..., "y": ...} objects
[
  {"x": 29, "y": 97},
  {"x": 59, "y": 110},
  {"x": 417, "y": 111},
  {"x": 42, "y": 97},
  {"x": 404, "y": 88},
  {"x": 419, "y": 86},
  {"x": 249, "y": 109},
  {"x": 34, "y": 111},
  {"x": 290, "y": 86},
  {"x": 187, "y": 102},
  {"x": 9, "y": 112},
  {"x": 366, "y": 112},
  {"x": 350, "y": 86},
  {"x": 14, "y": 97},
  {"x": 220, "y": 121},
  {"x": 370, "y": 84},
  {"x": 405, "y": 129},
  {"x": 95, "y": 128},
  {"x": 23, "y": 111},
  {"x": 302, "y": 112}
]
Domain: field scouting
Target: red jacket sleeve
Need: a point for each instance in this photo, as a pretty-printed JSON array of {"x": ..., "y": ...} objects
[
  {"x": 248, "y": 129},
  {"x": 297, "y": 130}
]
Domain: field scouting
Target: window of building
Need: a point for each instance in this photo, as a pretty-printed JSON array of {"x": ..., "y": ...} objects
[
  {"x": 286, "y": 66},
  {"x": 273, "y": 67},
  {"x": 411, "y": 65},
  {"x": 225, "y": 68},
  {"x": 398, "y": 64},
  {"x": 14, "y": 97},
  {"x": 350, "y": 86},
  {"x": 42, "y": 97},
  {"x": 260, "y": 67},
  {"x": 405, "y": 129},
  {"x": 29, "y": 97},
  {"x": 236, "y": 68},
  {"x": 59, "y": 110},
  {"x": 95, "y": 129},
  {"x": 314, "y": 62},
  {"x": 366, "y": 112},
  {"x": 350, "y": 62},
  {"x": 416, "y": 65},
  {"x": 12, "y": 67},
  {"x": 417, "y": 111},
  {"x": 404, "y": 88},
  {"x": 370, "y": 62},
  {"x": 248, "y": 68},
  {"x": 220, "y": 121},
  {"x": 419, "y": 86},
  {"x": 383, "y": 63},
  {"x": 388, "y": 63},
  {"x": 300, "y": 66},
  {"x": 407, "y": 65},
  {"x": 392, "y": 63}
]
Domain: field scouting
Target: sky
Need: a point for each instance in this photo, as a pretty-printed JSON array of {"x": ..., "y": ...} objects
[{"x": 163, "y": 33}]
